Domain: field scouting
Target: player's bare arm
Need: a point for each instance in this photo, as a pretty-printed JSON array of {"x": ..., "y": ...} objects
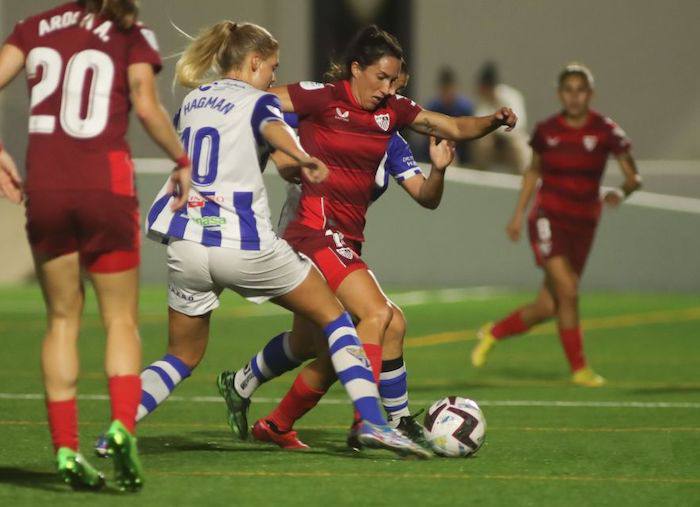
[
  {"x": 11, "y": 63},
  {"x": 462, "y": 128},
  {"x": 280, "y": 136},
  {"x": 632, "y": 183},
  {"x": 527, "y": 188},
  {"x": 10, "y": 180},
  {"x": 144, "y": 97},
  {"x": 428, "y": 191},
  {"x": 286, "y": 166},
  {"x": 283, "y": 94}
]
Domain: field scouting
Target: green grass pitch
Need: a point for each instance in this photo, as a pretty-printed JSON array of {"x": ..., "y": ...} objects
[{"x": 634, "y": 442}]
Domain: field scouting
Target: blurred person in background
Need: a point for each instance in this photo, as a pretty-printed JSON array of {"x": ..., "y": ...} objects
[
  {"x": 570, "y": 152},
  {"x": 510, "y": 150},
  {"x": 451, "y": 102}
]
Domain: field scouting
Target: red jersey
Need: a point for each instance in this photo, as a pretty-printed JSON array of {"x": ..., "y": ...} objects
[
  {"x": 351, "y": 141},
  {"x": 572, "y": 163},
  {"x": 76, "y": 66}
]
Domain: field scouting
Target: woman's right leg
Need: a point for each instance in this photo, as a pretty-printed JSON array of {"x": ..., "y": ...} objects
[
  {"x": 314, "y": 300},
  {"x": 543, "y": 308}
]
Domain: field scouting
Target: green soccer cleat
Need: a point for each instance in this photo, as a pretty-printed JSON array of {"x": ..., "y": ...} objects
[
  {"x": 237, "y": 405},
  {"x": 77, "y": 472},
  {"x": 121, "y": 447}
]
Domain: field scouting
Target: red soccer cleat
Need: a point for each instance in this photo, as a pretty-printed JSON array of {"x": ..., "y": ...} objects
[{"x": 264, "y": 432}]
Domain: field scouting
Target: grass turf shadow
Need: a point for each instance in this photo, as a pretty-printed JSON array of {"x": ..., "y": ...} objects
[
  {"x": 44, "y": 481},
  {"x": 321, "y": 442}
]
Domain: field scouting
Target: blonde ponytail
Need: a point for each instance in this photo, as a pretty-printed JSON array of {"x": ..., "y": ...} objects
[{"x": 220, "y": 48}]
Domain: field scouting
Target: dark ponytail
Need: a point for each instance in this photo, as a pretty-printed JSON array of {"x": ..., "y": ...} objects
[
  {"x": 122, "y": 13},
  {"x": 366, "y": 47}
]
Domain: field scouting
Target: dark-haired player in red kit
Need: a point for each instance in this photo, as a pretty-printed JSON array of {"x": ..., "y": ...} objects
[
  {"x": 87, "y": 63},
  {"x": 570, "y": 151}
]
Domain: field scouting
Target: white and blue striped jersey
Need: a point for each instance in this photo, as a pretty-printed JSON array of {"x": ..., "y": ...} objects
[
  {"x": 220, "y": 126},
  {"x": 398, "y": 162}
]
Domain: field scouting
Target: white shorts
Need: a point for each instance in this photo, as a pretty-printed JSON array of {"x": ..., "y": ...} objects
[{"x": 197, "y": 274}]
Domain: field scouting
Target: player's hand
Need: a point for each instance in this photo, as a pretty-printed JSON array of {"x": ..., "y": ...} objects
[
  {"x": 313, "y": 169},
  {"x": 441, "y": 153},
  {"x": 10, "y": 180},
  {"x": 179, "y": 185},
  {"x": 506, "y": 117},
  {"x": 514, "y": 226},
  {"x": 613, "y": 198}
]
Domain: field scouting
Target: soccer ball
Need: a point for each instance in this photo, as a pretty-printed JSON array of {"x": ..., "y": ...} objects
[{"x": 455, "y": 427}]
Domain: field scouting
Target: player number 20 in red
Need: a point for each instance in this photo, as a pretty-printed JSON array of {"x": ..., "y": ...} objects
[{"x": 72, "y": 122}]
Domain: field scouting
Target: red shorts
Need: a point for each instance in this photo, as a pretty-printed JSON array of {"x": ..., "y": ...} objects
[
  {"x": 549, "y": 240},
  {"x": 334, "y": 256},
  {"x": 101, "y": 226}
]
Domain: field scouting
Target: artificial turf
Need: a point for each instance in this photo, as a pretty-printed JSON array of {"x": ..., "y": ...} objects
[{"x": 633, "y": 442}]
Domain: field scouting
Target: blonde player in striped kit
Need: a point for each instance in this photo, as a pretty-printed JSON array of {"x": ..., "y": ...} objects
[{"x": 224, "y": 237}]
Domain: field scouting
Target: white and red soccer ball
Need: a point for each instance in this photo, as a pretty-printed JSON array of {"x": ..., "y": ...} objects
[{"x": 455, "y": 427}]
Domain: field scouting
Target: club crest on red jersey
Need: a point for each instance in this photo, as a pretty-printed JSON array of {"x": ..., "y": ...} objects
[
  {"x": 590, "y": 142},
  {"x": 383, "y": 121}
]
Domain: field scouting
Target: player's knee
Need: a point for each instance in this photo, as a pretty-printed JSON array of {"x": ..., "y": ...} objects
[
  {"x": 567, "y": 291},
  {"x": 396, "y": 331},
  {"x": 379, "y": 315},
  {"x": 546, "y": 309}
]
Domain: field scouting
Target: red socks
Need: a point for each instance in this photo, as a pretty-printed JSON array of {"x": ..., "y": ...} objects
[
  {"x": 572, "y": 341},
  {"x": 298, "y": 401},
  {"x": 512, "y": 324},
  {"x": 125, "y": 396},
  {"x": 63, "y": 423},
  {"x": 374, "y": 354}
]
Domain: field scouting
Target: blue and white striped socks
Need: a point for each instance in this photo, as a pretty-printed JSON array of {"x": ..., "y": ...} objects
[
  {"x": 157, "y": 382},
  {"x": 272, "y": 361},
  {"x": 353, "y": 368},
  {"x": 393, "y": 388}
]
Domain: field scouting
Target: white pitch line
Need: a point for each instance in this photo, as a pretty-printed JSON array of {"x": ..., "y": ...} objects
[{"x": 338, "y": 401}]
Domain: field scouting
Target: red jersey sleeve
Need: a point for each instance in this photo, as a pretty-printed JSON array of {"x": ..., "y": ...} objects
[
  {"x": 406, "y": 110},
  {"x": 537, "y": 139},
  {"x": 309, "y": 97},
  {"x": 17, "y": 39},
  {"x": 143, "y": 48},
  {"x": 618, "y": 142}
]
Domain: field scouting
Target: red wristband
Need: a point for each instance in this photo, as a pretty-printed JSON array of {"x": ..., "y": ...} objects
[{"x": 183, "y": 161}]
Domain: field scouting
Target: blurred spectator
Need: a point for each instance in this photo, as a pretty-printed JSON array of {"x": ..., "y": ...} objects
[
  {"x": 507, "y": 148},
  {"x": 450, "y": 102}
]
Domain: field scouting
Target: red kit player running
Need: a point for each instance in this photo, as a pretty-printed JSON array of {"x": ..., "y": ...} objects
[
  {"x": 570, "y": 151},
  {"x": 87, "y": 63},
  {"x": 348, "y": 124}
]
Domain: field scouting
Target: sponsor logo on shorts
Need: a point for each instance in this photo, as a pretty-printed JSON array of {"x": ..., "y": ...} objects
[
  {"x": 545, "y": 247},
  {"x": 359, "y": 354},
  {"x": 180, "y": 294},
  {"x": 345, "y": 252}
]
